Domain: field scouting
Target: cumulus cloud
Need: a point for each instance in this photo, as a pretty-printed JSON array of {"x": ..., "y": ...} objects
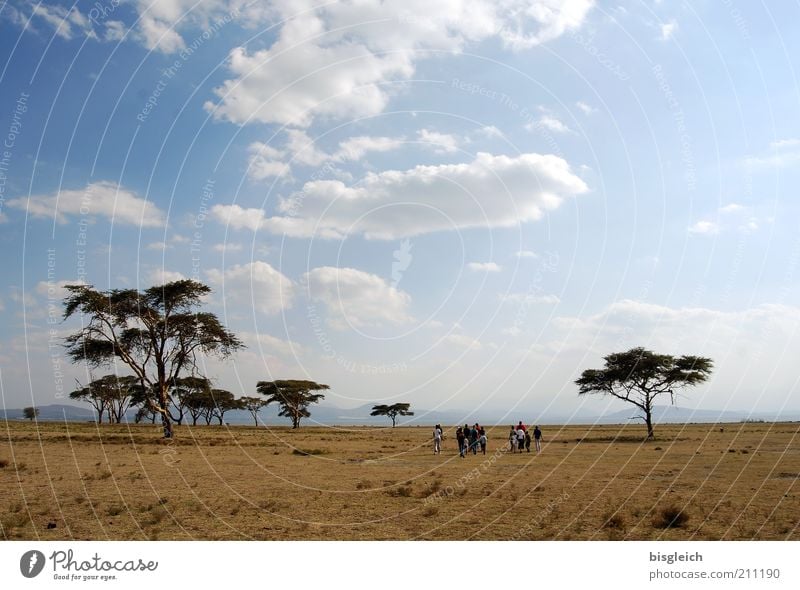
[
  {"x": 238, "y": 217},
  {"x": 440, "y": 142},
  {"x": 550, "y": 123},
  {"x": 357, "y": 298},
  {"x": 731, "y": 217},
  {"x": 668, "y": 30},
  {"x": 65, "y": 22},
  {"x": 463, "y": 341},
  {"x": 708, "y": 228},
  {"x": 526, "y": 254},
  {"x": 256, "y": 285},
  {"x": 266, "y": 161},
  {"x": 333, "y": 59},
  {"x": 162, "y": 276},
  {"x": 530, "y": 298},
  {"x": 105, "y": 199},
  {"x": 490, "y": 191},
  {"x": 484, "y": 267},
  {"x": 585, "y": 108}
]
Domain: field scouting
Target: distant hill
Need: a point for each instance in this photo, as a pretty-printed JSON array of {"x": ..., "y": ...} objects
[{"x": 333, "y": 415}]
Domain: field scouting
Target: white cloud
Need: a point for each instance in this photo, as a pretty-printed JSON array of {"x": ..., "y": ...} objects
[
  {"x": 115, "y": 30},
  {"x": 549, "y": 123},
  {"x": 440, "y": 142},
  {"x": 490, "y": 191},
  {"x": 668, "y": 30},
  {"x": 55, "y": 289},
  {"x": 333, "y": 59},
  {"x": 512, "y": 331},
  {"x": 484, "y": 267},
  {"x": 227, "y": 247},
  {"x": 106, "y": 199},
  {"x": 491, "y": 131},
  {"x": 238, "y": 217},
  {"x": 731, "y": 217},
  {"x": 355, "y": 148},
  {"x": 529, "y": 299},
  {"x": 463, "y": 341},
  {"x": 732, "y": 208},
  {"x": 66, "y": 22},
  {"x": 158, "y": 246},
  {"x": 270, "y": 345},
  {"x": 357, "y": 298},
  {"x": 256, "y": 285},
  {"x": 265, "y": 161},
  {"x": 526, "y": 254},
  {"x": 709, "y": 228},
  {"x": 161, "y": 276},
  {"x": 780, "y": 144},
  {"x": 585, "y": 108}
]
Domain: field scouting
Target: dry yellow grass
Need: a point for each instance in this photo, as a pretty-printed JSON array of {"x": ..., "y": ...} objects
[{"x": 80, "y": 481}]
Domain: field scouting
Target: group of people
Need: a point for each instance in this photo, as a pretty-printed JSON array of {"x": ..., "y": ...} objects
[
  {"x": 472, "y": 438},
  {"x": 519, "y": 438}
]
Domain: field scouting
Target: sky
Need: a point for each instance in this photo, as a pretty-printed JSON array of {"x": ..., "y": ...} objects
[{"x": 457, "y": 204}]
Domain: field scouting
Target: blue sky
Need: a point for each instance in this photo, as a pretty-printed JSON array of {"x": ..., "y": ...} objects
[{"x": 460, "y": 205}]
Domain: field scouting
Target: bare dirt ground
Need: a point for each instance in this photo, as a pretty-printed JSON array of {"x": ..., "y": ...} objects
[{"x": 81, "y": 481}]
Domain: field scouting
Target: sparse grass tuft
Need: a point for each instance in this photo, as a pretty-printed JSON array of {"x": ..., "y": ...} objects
[
  {"x": 307, "y": 452},
  {"x": 430, "y": 511},
  {"x": 3, "y": 463},
  {"x": 114, "y": 510},
  {"x": 670, "y": 517}
]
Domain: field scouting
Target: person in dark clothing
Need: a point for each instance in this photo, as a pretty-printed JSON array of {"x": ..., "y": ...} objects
[
  {"x": 473, "y": 439},
  {"x": 527, "y": 441},
  {"x": 482, "y": 439},
  {"x": 460, "y": 439},
  {"x": 537, "y": 438}
]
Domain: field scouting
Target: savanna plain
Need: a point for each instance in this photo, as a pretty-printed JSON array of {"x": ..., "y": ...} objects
[{"x": 124, "y": 482}]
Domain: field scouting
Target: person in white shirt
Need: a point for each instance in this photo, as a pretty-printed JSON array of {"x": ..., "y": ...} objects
[
  {"x": 437, "y": 439},
  {"x": 520, "y": 439}
]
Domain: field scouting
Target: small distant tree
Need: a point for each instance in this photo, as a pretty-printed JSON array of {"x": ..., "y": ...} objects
[
  {"x": 253, "y": 405},
  {"x": 293, "y": 397},
  {"x": 639, "y": 376},
  {"x": 158, "y": 333},
  {"x": 222, "y": 401},
  {"x": 393, "y": 411},
  {"x": 93, "y": 397},
  {"x": 30, "y": 413},
  {"x": 180, "y": 395},
  {"x": 112, "y": 395}
]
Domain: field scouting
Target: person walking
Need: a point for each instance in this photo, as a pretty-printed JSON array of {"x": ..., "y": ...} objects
[
  {"x": 437, "y": 439},
  {"x": 460, "y": 439},
  {"x": 512, "y": 440},
  {"x": 473, "y": 439},
  {"x": 527, "y": 441},
  {"x": 537, "y": 439},
  {"x": 482, "y": 439},
  {"x": 520, "y": 437}
]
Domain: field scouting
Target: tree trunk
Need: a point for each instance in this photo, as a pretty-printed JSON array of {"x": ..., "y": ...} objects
[
  {"x": 394, "y": 419},
  {"x": 163, "y": 400},
  {"x": 648, "y": 418}
]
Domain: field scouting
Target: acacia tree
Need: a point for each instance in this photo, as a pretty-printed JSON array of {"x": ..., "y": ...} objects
[
  {"x": 222, "y": 401},
  {"x": 293, "y": 396},
  {"x": 158, "y": 333},
  {"x": 393, "y": 411},
  {"x": 181, "y": 393},
  {"x": 91, "y": 396},
  {"x": 30, "y": 413},
  {"x": 111, "y": 394},
  {"x": 252, "y": 405},
  {"x": 639, "y": 376}
]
